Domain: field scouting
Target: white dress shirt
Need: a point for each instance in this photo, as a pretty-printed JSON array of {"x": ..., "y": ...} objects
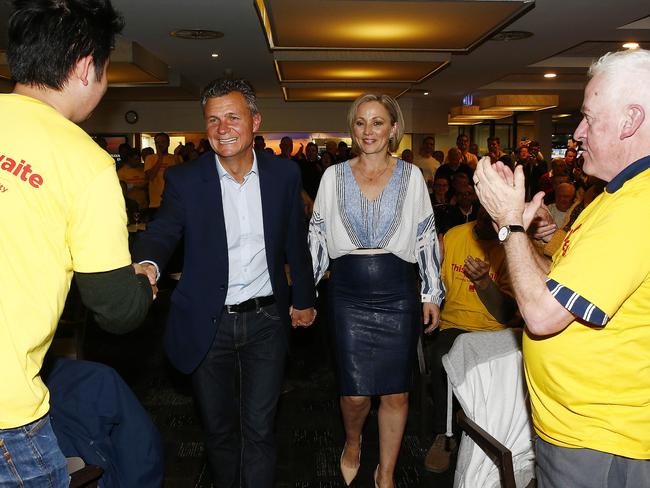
[{"x": 248, "y": 274}]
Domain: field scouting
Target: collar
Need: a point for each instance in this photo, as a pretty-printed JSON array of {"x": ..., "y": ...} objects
[
  {"x": 637, "y": 167},
  {"x": 224, "y": 174}
]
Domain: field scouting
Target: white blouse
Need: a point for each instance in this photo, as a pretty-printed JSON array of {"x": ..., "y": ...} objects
[{"x": 400, "y": 221}]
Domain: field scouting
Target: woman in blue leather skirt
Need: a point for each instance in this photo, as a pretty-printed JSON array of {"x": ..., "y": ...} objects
[{"x": 372, "y": 222}]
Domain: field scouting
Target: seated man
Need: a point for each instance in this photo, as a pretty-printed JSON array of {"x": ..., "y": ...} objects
[
  {"x": 564, "y": 195},
  {"x": 478, "y": 299}
]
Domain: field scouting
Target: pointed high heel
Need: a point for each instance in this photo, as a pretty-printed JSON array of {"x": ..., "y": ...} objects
[{"x": 347, "y": 472}]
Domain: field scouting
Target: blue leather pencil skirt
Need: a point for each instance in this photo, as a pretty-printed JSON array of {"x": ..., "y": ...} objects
[{"x": 374, "y": 312}]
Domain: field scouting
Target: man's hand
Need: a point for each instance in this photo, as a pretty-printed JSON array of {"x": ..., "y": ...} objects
[
  {"x": 477, "y": 271},
  {"x": 302, "y": 318},
  {"x": 431, "y": 316},
  {"x": 501, "y": 192},
  {"x": 149, "y": 271},
  {"x": 542, "y": 227}
]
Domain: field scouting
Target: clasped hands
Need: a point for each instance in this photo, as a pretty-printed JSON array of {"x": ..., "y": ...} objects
[
  {"x": 302, "y": 318},
  {"x": 149, "y": 271},
  {"x": 501, "y": 192}
]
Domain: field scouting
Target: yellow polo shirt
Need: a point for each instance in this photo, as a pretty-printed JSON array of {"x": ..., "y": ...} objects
[{"x": 590, "y": 384}]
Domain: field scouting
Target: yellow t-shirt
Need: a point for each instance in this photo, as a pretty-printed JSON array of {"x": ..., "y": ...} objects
[
  {"x": 61, "y": 210},
  {"x": 589, "y": 385},
  {"x": 463, "y": 308},
  {"x": 157, "y": 183},
  {"x": 136, "y": 184}
]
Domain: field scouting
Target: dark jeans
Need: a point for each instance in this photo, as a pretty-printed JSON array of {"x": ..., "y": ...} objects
[
  {"x": 30, "y": 457},
  {"x": 441, "y": 346},
  {"x": 248, "y": 355},
  {"x": 560, "y": 467}
]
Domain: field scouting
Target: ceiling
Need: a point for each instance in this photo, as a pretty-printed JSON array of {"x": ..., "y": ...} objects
[{"x": 295, "y": 51}]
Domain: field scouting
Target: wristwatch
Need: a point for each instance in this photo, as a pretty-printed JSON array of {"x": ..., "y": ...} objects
[{"x": 506, "y": 230}]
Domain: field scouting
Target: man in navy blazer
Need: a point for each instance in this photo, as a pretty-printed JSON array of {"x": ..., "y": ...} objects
[{"x": 241, "y": 216}]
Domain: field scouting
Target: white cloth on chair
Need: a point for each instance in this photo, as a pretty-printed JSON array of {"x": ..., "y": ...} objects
[{"x": 486, "y": 372}]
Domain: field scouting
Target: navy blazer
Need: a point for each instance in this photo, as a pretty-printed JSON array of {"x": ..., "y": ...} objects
[{"x": 192, "y": 208}]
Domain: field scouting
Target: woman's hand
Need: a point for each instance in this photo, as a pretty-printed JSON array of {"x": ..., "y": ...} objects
[{"x": 431, "y": 314}]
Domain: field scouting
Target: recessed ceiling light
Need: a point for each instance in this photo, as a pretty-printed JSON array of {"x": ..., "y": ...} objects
[
  {"x": 550, "y": 75},
  {"x": 511, "y": 35},
  {"x": 196, "y": 34},
  {"x": 425, "y": 93},
  {"x": 215, "y": 55},
  {"x": 631, "y": 45}
]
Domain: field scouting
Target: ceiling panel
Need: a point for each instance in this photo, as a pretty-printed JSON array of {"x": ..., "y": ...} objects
[
  {"x": 391, "y": 25},
  {"x": 342, "y": 93},
  {"x": 359, "y": 71}
]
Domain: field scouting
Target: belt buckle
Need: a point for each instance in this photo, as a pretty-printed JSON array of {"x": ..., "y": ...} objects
[{"x": 230, "y": 309}]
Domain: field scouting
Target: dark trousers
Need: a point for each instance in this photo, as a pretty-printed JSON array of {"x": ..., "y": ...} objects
[
  {"x": 560, "y": 467},
  {"x": 441, "y": 346},
  {"x": 248, "y": 355}
]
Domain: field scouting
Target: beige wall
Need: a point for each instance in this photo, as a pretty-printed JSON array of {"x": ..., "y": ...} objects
[{"x": 277, "y": 116}]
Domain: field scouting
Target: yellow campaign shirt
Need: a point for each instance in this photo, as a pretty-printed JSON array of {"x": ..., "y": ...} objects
[
  {"x": 590, "y": 385},
  {"x": 136, "y": 184},
  {"x": 463, "y": 308},
  {"x": 157, "y": 183},
  {"x": 61, "y": 210}
]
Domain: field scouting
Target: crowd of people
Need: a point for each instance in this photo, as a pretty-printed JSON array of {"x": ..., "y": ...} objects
[{"x": 410, "y": 245}]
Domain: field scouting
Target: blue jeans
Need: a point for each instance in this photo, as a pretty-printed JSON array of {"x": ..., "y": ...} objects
[
  {"x": 247, "y": 357},
  {"x": 31, "y": 457}
]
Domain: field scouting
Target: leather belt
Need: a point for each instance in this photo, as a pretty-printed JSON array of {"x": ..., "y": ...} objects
[{"x": 250, "y": 304}]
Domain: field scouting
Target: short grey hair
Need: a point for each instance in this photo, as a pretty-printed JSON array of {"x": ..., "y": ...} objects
[
  {"x": 224, "y": 86},
  {"x": 621, "y": 62}
]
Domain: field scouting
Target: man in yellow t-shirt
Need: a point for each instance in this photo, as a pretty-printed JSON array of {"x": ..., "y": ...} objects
[
  {"x": 587, "y": 347},
  {"x": 132, "y": 173},
  {"x": 61, "y": 212},
  {"x": 477, "y": 298},
  {"x": 155, "y": 166}
]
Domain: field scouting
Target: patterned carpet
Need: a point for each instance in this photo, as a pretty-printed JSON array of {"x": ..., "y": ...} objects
[{"x": 309, "y": 429}]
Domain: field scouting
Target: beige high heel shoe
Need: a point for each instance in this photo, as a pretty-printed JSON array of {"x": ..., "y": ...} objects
[{"x": 347, "y": 472}]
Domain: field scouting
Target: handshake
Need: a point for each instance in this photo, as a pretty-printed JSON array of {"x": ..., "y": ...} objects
[{"x": 150, "y": 272}]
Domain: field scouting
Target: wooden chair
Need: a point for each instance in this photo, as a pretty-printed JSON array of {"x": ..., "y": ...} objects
[{"x": 83, "y": 475}]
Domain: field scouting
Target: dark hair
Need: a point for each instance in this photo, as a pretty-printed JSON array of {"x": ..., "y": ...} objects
[
  {"x": 48, "y": 37},
  {"x": 164, "y": 134},
  {"x": 224, "y": 86}
]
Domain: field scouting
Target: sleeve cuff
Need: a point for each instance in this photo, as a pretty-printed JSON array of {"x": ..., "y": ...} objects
[
  {"x": 435, "y": 299},
  {"x": 576, "y": 304}
]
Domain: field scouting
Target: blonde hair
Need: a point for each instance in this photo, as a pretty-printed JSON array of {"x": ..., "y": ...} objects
[{"x": 396, "y": 117}]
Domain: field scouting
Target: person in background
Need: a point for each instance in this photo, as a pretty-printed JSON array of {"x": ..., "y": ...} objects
[
  {"x": 259, "y": 143},
  {"x": 564, "y": 195},
  {"x": 241, "y": 215},
  {"x": 587, "y": 312},
  {"x": 311, "y": 171},
  {"x": 478, "y": 298},
  {"x": 132, "y": 174},
  {"x": 462, "y": 143},
  {"x": 327, "y": 160},
  {"x": 155, "y": 167},
  {"x": 473, "y": 149},
  {"x": 62, "y": 215},
  {"x": 372, "y": 221},
  {"x": 426, "y": 162},
  {"x": 146, "y": 152},
  {"x": 407, "y": 155}
]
